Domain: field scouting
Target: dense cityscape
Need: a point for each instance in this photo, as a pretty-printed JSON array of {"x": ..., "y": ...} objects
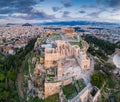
[{"x": 16, "y": 37}]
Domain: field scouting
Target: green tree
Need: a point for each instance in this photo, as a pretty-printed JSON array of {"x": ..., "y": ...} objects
[
  {"x": 98, "y": 79},
  {"x": 4, "y": 95},
  {"x": 2, "y": 77},
  {"x": 11, "y": 75}
]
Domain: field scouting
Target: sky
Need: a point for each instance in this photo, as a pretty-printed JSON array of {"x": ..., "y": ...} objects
[{"x": 37, "y": 11}]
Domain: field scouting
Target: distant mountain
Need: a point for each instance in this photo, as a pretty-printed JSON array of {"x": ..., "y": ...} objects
[
  {"x": 74, "y": 23},
  {"x": 10, "y": 24},
  {"x": 27, "y": 24}
]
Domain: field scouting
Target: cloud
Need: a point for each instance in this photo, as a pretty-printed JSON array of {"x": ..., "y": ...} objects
[
  {"x": 18, "y": 15},
  {"x": 67, "y": 3},
  {"x": 22, "y": 6},
  {"x": 87, "y": 6},
  {"x": 6, "y": 10},
  {"x": 1, "y": 17},
  {"x": 111, "y": 3},
  {"x": 98, "y": 1},
  {"x": 96, "y": 14},
  {"x": 41, "y": 0},
  {"x": 40, "y": 15},
  {"x": 66, "y": 14},
  {"x": 82, "y": 12},
  {"x": 22, "y": 9},
  {"x": 55, "y": 9}
]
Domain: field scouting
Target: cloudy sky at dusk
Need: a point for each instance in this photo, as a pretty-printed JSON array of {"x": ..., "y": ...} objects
[{"x": 34, "y": 11}]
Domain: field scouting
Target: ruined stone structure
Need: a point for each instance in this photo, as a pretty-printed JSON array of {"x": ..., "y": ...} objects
[
  {"x": 68, "y": 68},
  {"x": 63, "y": 62},
  {"x": 69, "y": 59},
  {"x": 65, "y": 50},
  {"x": 69, "y": 32}
]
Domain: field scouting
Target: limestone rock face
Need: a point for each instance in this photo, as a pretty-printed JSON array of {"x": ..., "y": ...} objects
[
  {"x": 33, "y": 59},
  {"x": 37, "y": 69},
  {"x": 41, "y": 60}
]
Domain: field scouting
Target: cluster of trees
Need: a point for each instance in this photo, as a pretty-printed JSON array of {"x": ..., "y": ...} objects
[
  {"x": 53, "y": 98},
  {"x": 103, "y": 74},
  {"x": 98, "y": 78},
  {"x": 103, "y": 71},
  {"x": 108, "y": 47},
  {"x": 10, "y": 65},
  {"x": 8, "y": 76},
  {"x": 99, "y": 53}
]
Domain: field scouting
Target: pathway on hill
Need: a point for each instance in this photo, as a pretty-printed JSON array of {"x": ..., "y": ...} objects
[{"x": 19, "y": 79}]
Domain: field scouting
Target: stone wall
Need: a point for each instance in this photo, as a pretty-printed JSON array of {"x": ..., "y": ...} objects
[
  {"x": 97, "y": 97},
  {"x": 85, "y": 96},
  {"x": 53, "y": 88},
  {"x": 50, "y": 56}
]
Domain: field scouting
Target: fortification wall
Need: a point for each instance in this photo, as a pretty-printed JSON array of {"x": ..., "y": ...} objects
[
  {"x": 85, "y": 96},
  {"x": 97, "y": 97},
  {"x": 53, "y": 88}
]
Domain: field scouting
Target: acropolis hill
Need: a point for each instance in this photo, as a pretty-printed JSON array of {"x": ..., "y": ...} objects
[{"x": 62, "y": 67}]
